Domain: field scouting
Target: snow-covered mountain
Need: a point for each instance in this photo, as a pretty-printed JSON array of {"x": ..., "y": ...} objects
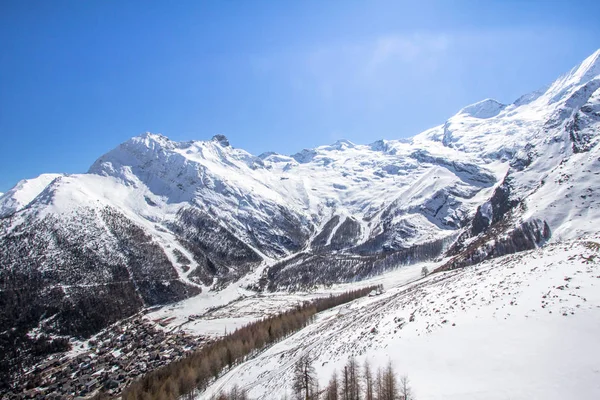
[
  {"x": 530, "y": 319},
  {"x": 155, "y": 221},
  {"x": 23, "y": 193}
]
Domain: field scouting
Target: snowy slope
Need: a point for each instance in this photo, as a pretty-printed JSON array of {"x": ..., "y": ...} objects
[
  {"x": 529, "y": 319},
  {"x": 23, "y": 193}
]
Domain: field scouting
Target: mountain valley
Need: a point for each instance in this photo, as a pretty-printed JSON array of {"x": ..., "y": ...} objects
[{"x": 500, "y": 204}]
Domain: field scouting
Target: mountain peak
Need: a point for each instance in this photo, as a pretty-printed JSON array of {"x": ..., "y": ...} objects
[
  {"x": 588, "y": 69},
  {"x": 379, "y": 145},
  {"x": 342, "y": 144},
  {"x": 221, "y": 139},
  {"x": 24, "y": 192},
  {"x": 157, "y": 137},
  {"x": 304, "y": 156},
  {"x": 581, "y": 74},
  {"x": 266, "y": 154},
  {"x": 483, "y": 109},
  {"x": 150, "y": 140}
]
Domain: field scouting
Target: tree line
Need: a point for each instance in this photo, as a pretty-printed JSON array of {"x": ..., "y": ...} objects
[
  {"x": 191, "y": 375},
  {"x": 352, "y": 383}
]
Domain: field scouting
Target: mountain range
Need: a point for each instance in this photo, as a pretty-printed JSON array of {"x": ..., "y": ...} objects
[{"x": 155, "y": 221}]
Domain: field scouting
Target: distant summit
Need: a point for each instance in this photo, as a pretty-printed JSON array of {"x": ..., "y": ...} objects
[{"x": 221, "y": 139}]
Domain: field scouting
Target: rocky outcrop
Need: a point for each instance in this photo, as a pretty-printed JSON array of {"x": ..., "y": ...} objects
[
  {"x": 501, "y": 239},
  {"x": 495, "y": 209},
  {"x": 218, "y": 253}
]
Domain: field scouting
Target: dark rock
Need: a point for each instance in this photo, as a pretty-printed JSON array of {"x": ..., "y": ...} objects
[{"x": 221, "y": 139}]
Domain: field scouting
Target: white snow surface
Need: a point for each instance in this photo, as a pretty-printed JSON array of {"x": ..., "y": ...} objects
[
  {"x": 530, "y": 320},
  {"x": 24, "y": 192}
]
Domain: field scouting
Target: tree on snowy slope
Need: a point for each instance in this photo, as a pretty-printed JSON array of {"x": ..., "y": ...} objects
[
  {"x": 350, "y": 389},
  {"x": 234, "y": 394},
  {"x": 305, "y": 382},
  {"x": 405, "y": 390},
  {"x": 369, "y": 383},
  {"x": 387, "y": 384},
  {"x": 331, "y": 392}
]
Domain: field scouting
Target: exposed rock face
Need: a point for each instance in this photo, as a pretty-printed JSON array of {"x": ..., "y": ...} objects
[
  {"x": 218, "y": 252},
  {"x": 501, "y": 239},
  {"x": 583, "y": 127},
  {"x": 322, "y": 239},
  {"x": 221, "y": 139},
  {"x": 346, "y": 235},
  {"x": 495, "y": 209}
]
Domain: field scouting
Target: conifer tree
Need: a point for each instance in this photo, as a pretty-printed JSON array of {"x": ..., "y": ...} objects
[{"x": 304, "y": 378}]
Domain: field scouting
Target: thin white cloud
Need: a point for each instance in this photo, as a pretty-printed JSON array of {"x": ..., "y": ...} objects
[
  {"x": 378, "y": 72},
  {"x": 406, "y": 49},
  {"x": 367, "y": 69}
]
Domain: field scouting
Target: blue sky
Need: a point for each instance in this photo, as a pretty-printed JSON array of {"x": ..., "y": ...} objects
[{"x": 79, "y": 77}]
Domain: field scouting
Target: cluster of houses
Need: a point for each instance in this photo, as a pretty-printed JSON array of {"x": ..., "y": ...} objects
[{"x": 111, "y": 361}]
